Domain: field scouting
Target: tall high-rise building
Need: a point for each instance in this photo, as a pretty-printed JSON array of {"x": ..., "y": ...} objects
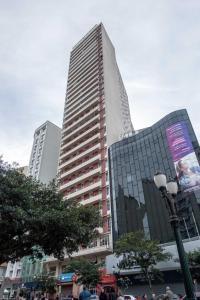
[
  {"x": 43, "y": 166},
  {"x": 43, "y": 163},
  {"x": 96, "y": 115}
]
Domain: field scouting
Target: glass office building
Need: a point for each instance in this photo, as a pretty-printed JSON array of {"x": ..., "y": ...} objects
[{"x": 136, "y": 202}]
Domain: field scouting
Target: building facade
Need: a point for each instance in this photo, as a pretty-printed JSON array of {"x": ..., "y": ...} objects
[
  {"x": 43, "y": 166},
  {"x": 11, "y": 280},
  {"x": 43, "y": 163},
  {"x": 136, "y": 202},
  {"x": 96, "y": 114}
]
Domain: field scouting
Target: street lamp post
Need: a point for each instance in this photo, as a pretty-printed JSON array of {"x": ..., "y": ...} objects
[{"x": 169, "y": 191}]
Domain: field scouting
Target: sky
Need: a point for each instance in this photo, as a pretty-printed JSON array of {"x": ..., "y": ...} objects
[{"x": 157, "y": 47}]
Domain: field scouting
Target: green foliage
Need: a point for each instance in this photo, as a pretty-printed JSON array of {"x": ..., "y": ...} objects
[
  {"x": 138, "y": 251},
  {"x": 194, "y": 262},
  {"x": 194, "y": 257},
  {"x": 34, "y": 220},
  {"x": 124, "y": 282},
  {"x": 46, "y": 283},
  {"x": 87, "y": 272}
]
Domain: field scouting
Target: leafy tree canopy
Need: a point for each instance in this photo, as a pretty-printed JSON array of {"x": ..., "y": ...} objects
[
  {"x": 34, "y": 220},
  {"x": 194, "y": 263},
  {"x": 194, "y": 257},
  {"x": 46, "y": 283},
  {"x": 87, "y": 272},
  {"x": 136, "y": 250}
]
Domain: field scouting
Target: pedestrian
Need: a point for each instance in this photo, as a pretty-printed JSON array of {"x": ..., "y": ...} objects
[
  {"x": 144, "y": 297},
  {"x": 85, "y": 294},
  {"x": 169, "y": 294},
  {"x": 112, "y": 295},
  {"x": 120, "y": 296},
  {"x": 153, "y": 297},
  {"x": 103, "y": 295}
]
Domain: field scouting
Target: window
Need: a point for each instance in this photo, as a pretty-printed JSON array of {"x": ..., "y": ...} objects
[
  {"x": 107, "y": 191},
  {"x": 52, "y": 271},
  {"x": 64, "y": 268},
  {"x": 104, "y": 241},
  {"x": 109, "y": 224},
  {"x": 11, "y": 273},
  {"x": 108, "y": 204},
  {"x": 18, "y": 273}
]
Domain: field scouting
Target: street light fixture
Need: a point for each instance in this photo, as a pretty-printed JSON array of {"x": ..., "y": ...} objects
[{"x": 169, "y": 191}]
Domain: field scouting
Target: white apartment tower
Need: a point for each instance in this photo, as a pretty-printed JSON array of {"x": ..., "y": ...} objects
[
  {"x": 96, "y": 114},
  {"x": 43, "y": 163}
]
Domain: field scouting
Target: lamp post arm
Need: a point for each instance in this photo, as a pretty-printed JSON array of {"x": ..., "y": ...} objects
[{"x": 170, "y": 202}]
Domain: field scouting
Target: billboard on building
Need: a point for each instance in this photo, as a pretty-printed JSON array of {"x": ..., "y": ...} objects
[{"x": 184, "y": 158}]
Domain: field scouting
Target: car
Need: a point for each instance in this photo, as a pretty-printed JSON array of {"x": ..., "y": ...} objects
[{"x": 129, "y": 297}]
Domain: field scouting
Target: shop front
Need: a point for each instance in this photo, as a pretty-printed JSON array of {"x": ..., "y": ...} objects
[
  {"x": 108, "y": 282},
  {"x": 66, "y": 284}
]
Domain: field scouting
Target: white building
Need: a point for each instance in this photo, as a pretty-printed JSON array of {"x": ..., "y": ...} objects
[
  {"x": 11, "y": 279},
  {"x": 45, "y": 152},
  {"x": 96, "y": 115}
]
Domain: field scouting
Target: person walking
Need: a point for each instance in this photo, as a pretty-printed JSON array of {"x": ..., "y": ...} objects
[
  {"x": 144, "y": 297},
  {"x": 120, "y": 296},
  {"x": 85, "y": 294},
  {"x": 103, "y": 295},
  {"x": 169, "y": 294},
  {"x": 112, "y": 295}
]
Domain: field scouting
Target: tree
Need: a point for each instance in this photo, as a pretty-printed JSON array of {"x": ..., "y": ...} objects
[
  {"x": 46, "y": 283},
  {"x": 194, "y": 263},
  {"x": 88, "y": 273},
  {"x": 138, "y": 251},
  {"x": 124, "y": 282},
  {"x": 34, "y": 219}
]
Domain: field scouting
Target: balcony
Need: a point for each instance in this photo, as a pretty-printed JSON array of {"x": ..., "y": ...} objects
[
  {"x": 92, "y": 200},
  {"x": 82, "y": 97},
  {"x": 83, "y": 77},
  {"x": 80, "y": 82},
  {"x": 77, "y": 157},
  {"x": 80, "y": 110},
  {"x": 80, "y": 178},
  {"x": 87, "y": 53},
  {"x": 84, "y": 190},
  {"x": 80, "y": 73},
  {"x": 84, "y": 118},
  {"x": 93, "y": 121},
  {"x": 94, "y": 138},
  {"x": 82, "y": 89},
  {"x": 80, "y": 166},
  {"x": 97, "y": 247},
  {"x": 100, "y": 246},
  {"x": 78, "y": 129},
  {"x": 71, "y": 142},
  {"x": 81, "y": 65},
  {"x": 80, "y": 105}
]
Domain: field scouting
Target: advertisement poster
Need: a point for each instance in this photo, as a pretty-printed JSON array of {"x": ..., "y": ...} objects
[{"x": 184, "y": 158}]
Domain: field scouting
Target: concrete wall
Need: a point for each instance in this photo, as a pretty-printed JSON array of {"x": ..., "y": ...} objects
[
  {"x": 114, "y": 92},
  {"x": 50, "y": 153}
]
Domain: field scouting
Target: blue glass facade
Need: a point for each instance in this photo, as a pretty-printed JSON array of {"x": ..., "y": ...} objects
[{"x": 135, "y": 201}]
